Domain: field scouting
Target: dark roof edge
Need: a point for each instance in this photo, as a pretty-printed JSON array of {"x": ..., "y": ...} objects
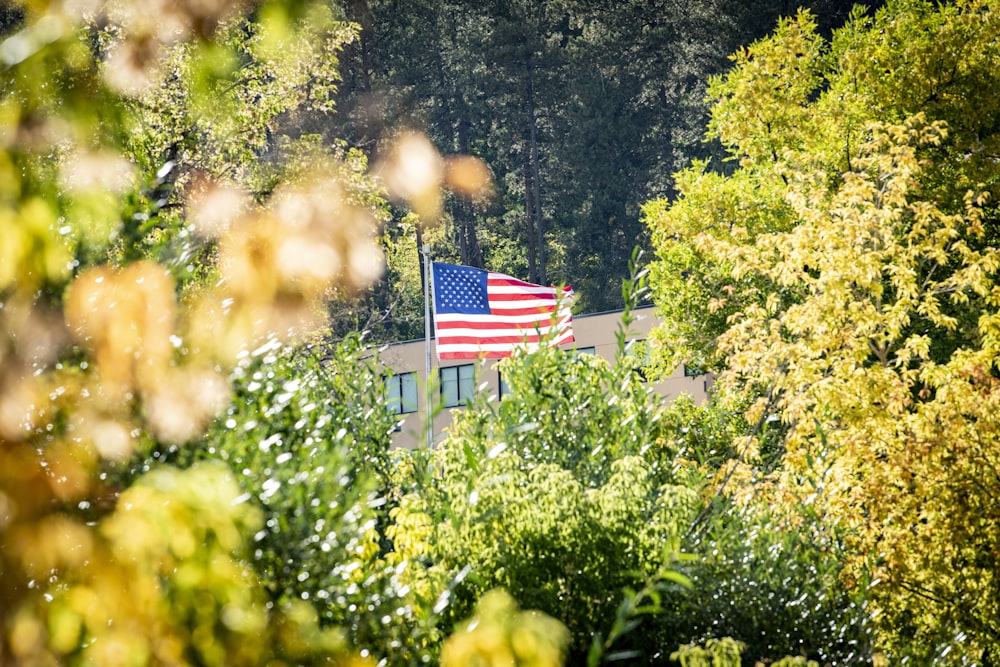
[{"x": 609, "y": 312}]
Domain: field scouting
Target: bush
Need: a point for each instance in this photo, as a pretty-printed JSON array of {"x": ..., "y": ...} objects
[{"x": 308, "y": 438}]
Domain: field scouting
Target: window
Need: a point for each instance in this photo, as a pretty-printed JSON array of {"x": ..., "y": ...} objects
[
  {"x": 401, "y": 393},
  {"x": 504, "y": 387},
  {"x": 457, "y": 384},
  {"x": 586, "y": 350}
]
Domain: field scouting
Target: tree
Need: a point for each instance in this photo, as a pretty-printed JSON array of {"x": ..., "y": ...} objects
[
  {"x": 857, "y": 285},
  {"x": 590, "y": 500}
]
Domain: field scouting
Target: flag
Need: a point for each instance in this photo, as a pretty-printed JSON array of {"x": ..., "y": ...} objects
[{"x": 478, "y": 313}]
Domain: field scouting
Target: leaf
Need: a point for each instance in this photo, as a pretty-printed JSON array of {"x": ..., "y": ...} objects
[{"x": 596, "y": 650}]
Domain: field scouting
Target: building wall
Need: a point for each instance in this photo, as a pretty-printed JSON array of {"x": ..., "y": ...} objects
[{"x": 597, "y": 331}]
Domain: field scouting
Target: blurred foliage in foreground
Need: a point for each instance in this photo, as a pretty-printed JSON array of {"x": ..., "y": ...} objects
[{"x": 140, "y": 259}]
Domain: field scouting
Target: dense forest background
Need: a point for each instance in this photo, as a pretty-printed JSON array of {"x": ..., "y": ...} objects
[{"x": 582, "y": 110}]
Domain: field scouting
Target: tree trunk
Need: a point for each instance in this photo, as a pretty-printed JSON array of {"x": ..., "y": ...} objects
[
  {"x": 464, "y": 212},
  {"x": 529, "y": 219},
  {"x": 535, "y": 183}
]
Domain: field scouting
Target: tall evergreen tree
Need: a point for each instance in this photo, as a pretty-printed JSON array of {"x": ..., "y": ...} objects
[{"x": 582, "y": 109}]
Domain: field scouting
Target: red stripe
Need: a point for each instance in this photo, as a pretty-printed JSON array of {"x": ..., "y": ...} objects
[
  {"x": 475, "y": 355},
  {"x": 526, "y": 336},
  {"x": 493, "y": 326},
  {"x": 488, "y": 340},
  {"x": 542, "y": 312},
  {"x": 487, "y": 326},
  {"x": 510, "y": 282},
  {"x": 443, "y": 352},
  {"x": 516, "y": 304},
  {"x": 501, "y": 320},
  {"x": 496, "y": 279}
]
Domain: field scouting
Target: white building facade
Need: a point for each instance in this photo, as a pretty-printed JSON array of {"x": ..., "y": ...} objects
[{"x": 460, "y": 379}]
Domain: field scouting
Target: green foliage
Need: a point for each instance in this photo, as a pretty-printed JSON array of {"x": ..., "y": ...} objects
[
  {"x": 783, "y": 71},
  {"x": 183, "y": 107},
  {"x": 579, "y": 488},
  {"x": 557, "y": 410},
  {"x": 259, "y": 69},
  {"x": 122, "y": 312},
  {"x": 310, "y": 442},
  {"x": 566, "y": 549},
  {"x": 796, "y": 661},
  {"x": 307, "y": 436},
  {"x": 391, "y": 309},
  {"x": 582, "y": 110},
  {"x": 183, "y": 531},
  {"x": 775, "y": 587},
  {"x": 160, "y": 579},
  {"x": 695, "y": 290},
  {"x": 158, "y": 245},
  {"x": 563, "y": 491},
  {"x": 634, "y": 604}
]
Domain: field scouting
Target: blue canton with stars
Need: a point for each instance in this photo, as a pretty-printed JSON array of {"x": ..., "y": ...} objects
[{"x": 460, "y": 289}]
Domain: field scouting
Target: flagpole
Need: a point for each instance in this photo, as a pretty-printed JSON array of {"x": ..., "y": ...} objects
[{"x": 427, "y": 345}]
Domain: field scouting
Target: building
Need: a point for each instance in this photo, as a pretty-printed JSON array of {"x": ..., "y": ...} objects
[{"x": 595, "y": 334}]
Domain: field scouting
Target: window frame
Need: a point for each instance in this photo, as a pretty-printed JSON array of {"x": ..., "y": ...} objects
[
  {"x": 463, "y": 382},
  {"x": 395, "y": 398}
]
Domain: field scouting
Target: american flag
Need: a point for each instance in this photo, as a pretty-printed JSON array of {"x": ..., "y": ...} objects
[{"x": 480, "y": 314}]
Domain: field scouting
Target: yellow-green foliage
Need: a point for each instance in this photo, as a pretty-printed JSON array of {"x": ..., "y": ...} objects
[
  {"x": 501, "y": 635},
  {"x": 861, "y": 311},
  {"x": 161, "y": 580},
  {"x": 723, "y": 652}
]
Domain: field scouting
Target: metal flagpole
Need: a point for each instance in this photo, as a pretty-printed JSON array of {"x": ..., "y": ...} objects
[{"x": 427, "y": 345}]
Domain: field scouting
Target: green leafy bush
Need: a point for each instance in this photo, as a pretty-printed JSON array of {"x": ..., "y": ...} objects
[
  {"x": 562, "y": 492},
  {"x": 308, "y": 437},
  {"x": 774, "y": 587}
]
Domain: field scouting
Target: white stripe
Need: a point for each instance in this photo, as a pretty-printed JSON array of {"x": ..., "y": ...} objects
[
  {"x": 515, "y": 289},
  {"x": 522, "y": 303},
  {"x": 551, "y": 303},
  {"x": 492, "y": 275},
  {"x": 490, "y": 333},
  {"x": 564, "y": 336},
  {"x": 537, "y": 304}
]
